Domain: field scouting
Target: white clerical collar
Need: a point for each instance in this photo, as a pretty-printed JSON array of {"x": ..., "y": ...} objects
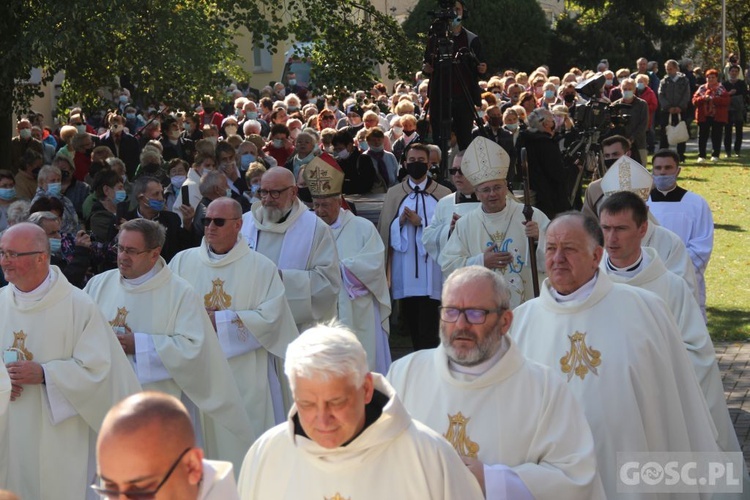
[
  {"x": 143, "y": 278},
  {"x": 631, "y": 270},
  {"x": 665, "y": 193},
  {"x": 582, "y": 293},
  {"x": 337, "y": 223},
  {"x": 216, "y": 257},
  {"x": 37, "y": 293},
  {"x": 481, "y": 368},
  {"x": 421, "y": 185}
]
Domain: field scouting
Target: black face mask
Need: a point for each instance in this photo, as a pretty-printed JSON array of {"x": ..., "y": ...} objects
[
  {"x": 496, "y": 121},
  {"x": 65, "y": 175},
  {"x": 35, "y": 172},
  {"x": 608, "y": 163},
  {"x": 416, "y": 169},
  {"x": 408, "y": 133},
  {"x": 569, "y": 97},
  {"x": 304, "y": 195}
]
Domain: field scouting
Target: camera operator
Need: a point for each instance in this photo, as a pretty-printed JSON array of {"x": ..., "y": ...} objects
[
  {"x": 468, "y": 65},
  {"x": 634, "y": 128}
]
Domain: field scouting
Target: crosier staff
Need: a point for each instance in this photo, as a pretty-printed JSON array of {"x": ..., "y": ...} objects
[{"x": 528, "y": 213}]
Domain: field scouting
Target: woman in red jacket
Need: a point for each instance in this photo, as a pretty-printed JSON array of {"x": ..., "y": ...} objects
[{"x": 711, "y": 102}]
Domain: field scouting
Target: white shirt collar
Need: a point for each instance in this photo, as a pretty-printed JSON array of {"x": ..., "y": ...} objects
[
  {"x": 37, "y": 293},
  {"x": 582, "y": 293},
  {"x": 144, "y": 278}
]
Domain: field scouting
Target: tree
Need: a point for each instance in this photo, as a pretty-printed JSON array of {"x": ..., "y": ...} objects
[
  {"x": 707, "y": 16},
  {"x": 514, "y": 33}
]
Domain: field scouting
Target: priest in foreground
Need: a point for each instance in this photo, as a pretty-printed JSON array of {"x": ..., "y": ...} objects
[
  {"x": 65, "y": 368},
  {"x": 244, "y": 297},
  {"x": 364, "y": 303},
  {"x": 301, "y": 245},
  {"x": 618, "y": 349},
  {"x": 471, "y": 388},
  {"x": 147, "y": 449},
  {"x": 167, "y": 334},
  {"x": 348, "y": 435},
  {"x": 496, "y": 234}
]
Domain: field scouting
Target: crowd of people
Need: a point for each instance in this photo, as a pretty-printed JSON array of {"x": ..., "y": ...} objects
[{"x": 172, "y": 278}]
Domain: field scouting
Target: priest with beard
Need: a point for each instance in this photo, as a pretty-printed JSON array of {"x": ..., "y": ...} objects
[{"x": 300, "y": 244}]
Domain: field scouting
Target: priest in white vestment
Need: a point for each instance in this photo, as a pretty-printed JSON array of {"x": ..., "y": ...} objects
[
  {"x": 514, "y": 422},
  {"x": 496, "y": 234},
  {"x": 348, "y": 436},
  {"x": 623, "y": 221},
  {"x": 244, "y": 297},
  {"x": 300, "y": 244},
  {"x": 5, "y": 388},
  {"x": 147, "y": 447},
  {"x": 364, "y": 303},
  {"x": 449, "y": 209},
  {"x": 65, "y": 368},
  {"x": 165, "y": 330},
  {"x": 618, "y": 349}
]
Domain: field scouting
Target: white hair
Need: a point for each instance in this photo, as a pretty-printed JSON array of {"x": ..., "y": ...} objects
[
  {"x": 471, "y": 274},
  {"x": 251, "y": 127},
  {"x": 46, "y": 172},
  {"x": 324, "y": 352}
]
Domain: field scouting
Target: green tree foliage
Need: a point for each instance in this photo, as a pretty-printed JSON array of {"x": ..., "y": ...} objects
[
  {"x": 514, "y": 33},
  {"x": 707, "y": 16},
  {"x": 620, "y": 32}
]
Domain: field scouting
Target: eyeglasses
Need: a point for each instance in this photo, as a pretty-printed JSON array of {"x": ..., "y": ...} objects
[
  {"x": 491, "y": 189},
  {"x": 455, "y": 171},
  {"x": 473, "y": 316},
  {"x": 218, "y": 221},
  {"x": 136, "y": 495},
  {"x": 273, "y": 193},
  {"x": 10, "y": 255},
  {"x": 130, "y": 252}
]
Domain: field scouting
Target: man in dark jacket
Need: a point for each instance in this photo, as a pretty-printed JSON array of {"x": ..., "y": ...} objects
[
  {"x": 359, "y": 171},
  {"x": 674, "y": 98},
  {"x": 122, "y": 144}
]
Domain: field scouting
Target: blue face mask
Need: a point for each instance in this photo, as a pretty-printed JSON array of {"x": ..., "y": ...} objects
[
  {"x": 55, "y": 244},
  {"x": 157, "y": 205},
  {"x": 229, "y": 193},
  {"x": 246, "y": 160},
  {"x": 627, "y": 94},
  {"x": 130, "y": 116},
  {"x": 456, "y": 21},
  {"x": 363, "y": 146},
  {"x": 376, "y": 149},
  {"x": 54, "y": 189},
  {"x": 120, "y": 195},
  {"x": 7, "y": 193},
  {"x": 665, "y": 182},
  {"x": 278, "y": 143},
  {"x": 251, "y": 115},
  {"x": 254, "y": 189},
  {"x": 549, "y": 94},
  {"x": 292, "y": 82},
  {"x": 640, "y": 86}
]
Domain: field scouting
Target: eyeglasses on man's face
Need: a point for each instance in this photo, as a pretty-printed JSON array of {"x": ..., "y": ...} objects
[
  {"x": 11, "y": 255},
  {"x": 273, "y": 193},
  {"x": 218, "y": 221},
  {"x": 473, "y": 316},
  {"x": 129, "y": 251}
]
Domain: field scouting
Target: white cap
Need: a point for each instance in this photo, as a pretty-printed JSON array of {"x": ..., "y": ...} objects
[
  {"x": 484, "y": 160},
  {"x": 626, "y": 174}
]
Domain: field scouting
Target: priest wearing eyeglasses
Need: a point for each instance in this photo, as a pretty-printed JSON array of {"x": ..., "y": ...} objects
[
  {"x": 301, "y": 245},
  {"x": 244, "y": 297},
  {"x": 495, "y": 235},
  {"x": 166, "y": 332},
  {"x": 515, "y": 425}
]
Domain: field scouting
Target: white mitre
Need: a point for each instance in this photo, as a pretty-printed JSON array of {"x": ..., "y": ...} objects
[
  {"x": 484, "y": 160},
  {"x": 626, "y": 174}
]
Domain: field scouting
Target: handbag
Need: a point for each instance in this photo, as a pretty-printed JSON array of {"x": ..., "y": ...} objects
[{"x": 677, "y": 134}]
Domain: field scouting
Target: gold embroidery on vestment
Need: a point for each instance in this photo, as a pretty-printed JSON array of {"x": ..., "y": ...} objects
[
  {"x": 19, "y": 345},
  {"x": 580, "y": 359},
  {"x": 121, "y": 318},
  {"x": 337, "y": 496},
  {"x": 457, "y": 436},
  {"x": 218, "y": 299}
]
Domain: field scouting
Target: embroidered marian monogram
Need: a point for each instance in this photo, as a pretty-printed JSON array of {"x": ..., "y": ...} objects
[
  {"x": 121, "y": 319},
  {"x": 337, "y": 496},
  {"x": 19, "y": 344},
  {"x": 580, "y": 359},
  {"x": 218, "y": 299},
  {"x": 456, "y": 435}
]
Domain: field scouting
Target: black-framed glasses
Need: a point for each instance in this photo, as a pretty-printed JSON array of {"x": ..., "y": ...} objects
[
  {"x": 218, "y": 221},
  {"x": 454, "y": 171},
  {"x": 273, "y": 193},
  {"x": 136, "y": 495},
  {"x": 130, "y": 252},
  {"x": 11, "y": 255},
  {"x": 473, "y": 316}
]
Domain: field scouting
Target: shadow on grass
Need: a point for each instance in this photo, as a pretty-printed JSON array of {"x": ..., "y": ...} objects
[
  {"x": 730, "y": 227},
  {"x": 728, "y": 324},
  {"x": 692, "y": 179}
]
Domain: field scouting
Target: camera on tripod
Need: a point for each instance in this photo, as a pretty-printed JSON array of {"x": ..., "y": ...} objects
[{"x": 598, "y": 115}]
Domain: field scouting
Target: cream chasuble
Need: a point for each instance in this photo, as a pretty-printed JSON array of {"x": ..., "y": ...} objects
[
  {"x": 673, "y": 253},
  {"x": 673, "y": 290},
  {"x": 517, "y": 414},
  {"x": 52, "y": 427},
  {"x": 177, "y": 350},
  {"x": 5, "y": 388},
  {"x": 621, "y": 355},
  {"x": 364, "y": 301},
  {"x": 218, "y": 481},
  {"x": 395, "y": 457},
  {"x": 303, "y": 248},
  {"x": 435, "y": 236},
  {"x": 476, "y": 231},
  {"x": 254, "y": 321}
]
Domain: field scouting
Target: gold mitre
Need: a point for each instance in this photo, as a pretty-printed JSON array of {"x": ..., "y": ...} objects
[
  {"x": 323, "y": 179},
  {"x": 626, "y": 174},
  {"x": 484, "y": 160}
]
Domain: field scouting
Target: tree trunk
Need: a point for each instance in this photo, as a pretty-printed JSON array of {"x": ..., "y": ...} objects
[{"x": 6, "y": 124}]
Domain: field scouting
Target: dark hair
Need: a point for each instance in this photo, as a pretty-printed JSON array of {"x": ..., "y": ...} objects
[
  {"x": 667, "y": 153},
  {"x": 341, "y": 138},
  {"x": 7, "y": 174},
  {"x": 222, "y": 147},
  {"x": 590, "y": 225},
  {"x": 141, "y": 184},
  {"x": 279, "y": 129},
  {"x": 615, "y": 139},
  {"x": 47, "y": 204},
  {"x": 418, "y": 147},
  {"x": 374, "y": 132},
  {"x": 103, "y": 178},
  {"x": 29, "y": 157},
  {"x": 623, "y": 201}
]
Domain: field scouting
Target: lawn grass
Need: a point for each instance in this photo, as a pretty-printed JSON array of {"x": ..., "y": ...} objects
[{"x": 726, "y": 187}]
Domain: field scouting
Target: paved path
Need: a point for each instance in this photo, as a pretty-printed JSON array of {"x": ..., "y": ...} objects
[{"x": 734, "y": 364}]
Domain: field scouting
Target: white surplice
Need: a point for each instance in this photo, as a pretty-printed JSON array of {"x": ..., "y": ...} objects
[
  {"x": 254, "y": 322},
  {"x": 364, "y": 301},
  {"x": 395, "y": 457},
  {"x": 673, "y": 253},
  {"x": 218, "y": 481},
  {"x": 517, "y": 417},
  {"x": 435, "y": 235},
  {"x": 52, "y": 427}
]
